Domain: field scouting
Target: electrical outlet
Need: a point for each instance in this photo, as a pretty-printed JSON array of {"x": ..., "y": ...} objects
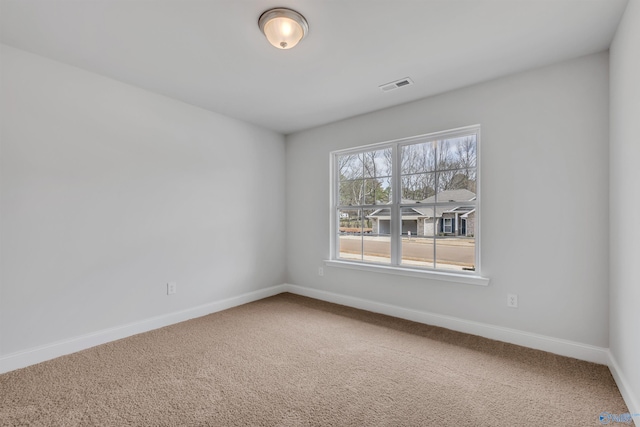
[
  {"x": 171, "y": 288},
  {"x": 512, "y": 300},
  {"x": 320, "y": 271}
]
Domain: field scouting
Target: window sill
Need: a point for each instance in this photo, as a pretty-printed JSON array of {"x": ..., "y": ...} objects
[{"x": 412, "y": 272}]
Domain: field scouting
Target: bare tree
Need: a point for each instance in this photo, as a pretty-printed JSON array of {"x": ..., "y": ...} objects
[
  {"x": 442, "y": 165},
  {"x": 465, "y": 151},
  {"x": 457, "y": 163},
  {"x": 418, "y": 165}
]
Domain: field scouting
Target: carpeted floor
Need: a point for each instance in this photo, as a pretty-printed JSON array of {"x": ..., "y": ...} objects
[{"x": 294, "y": 361}]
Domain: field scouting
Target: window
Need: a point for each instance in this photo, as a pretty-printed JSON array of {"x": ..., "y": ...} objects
[
  {"x": 447, "y": 225},
  {"x": 410, "y": 203}
]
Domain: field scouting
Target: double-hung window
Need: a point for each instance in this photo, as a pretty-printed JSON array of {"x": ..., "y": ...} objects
[{"x": 411, "y": 203}]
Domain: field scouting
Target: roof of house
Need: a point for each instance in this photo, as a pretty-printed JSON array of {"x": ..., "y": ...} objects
[{"x": 460, "y": 195}]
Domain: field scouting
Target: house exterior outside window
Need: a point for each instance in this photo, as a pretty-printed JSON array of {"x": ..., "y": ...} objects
[{"x": 410, "y": 203}]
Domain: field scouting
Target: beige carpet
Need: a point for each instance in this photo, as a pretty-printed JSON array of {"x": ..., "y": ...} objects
[{"x": 294, "y": 361}]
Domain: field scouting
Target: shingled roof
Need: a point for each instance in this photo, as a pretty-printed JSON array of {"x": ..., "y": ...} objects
[{"x": 460, "y": 195}]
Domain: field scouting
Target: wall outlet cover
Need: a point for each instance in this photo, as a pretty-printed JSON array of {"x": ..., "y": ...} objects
[{"x": 172, "y": 288}]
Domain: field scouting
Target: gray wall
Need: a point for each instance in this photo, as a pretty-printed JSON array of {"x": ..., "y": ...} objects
[
  {"x": 624, "y": 163},
  {"x": 109, "y": 191},
  {"x": 543, "y": 164}
]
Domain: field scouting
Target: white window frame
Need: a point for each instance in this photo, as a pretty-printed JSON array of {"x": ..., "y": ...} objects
[
  {"x": 471, "y": 277},
  {"x": 444, "y": 225}
]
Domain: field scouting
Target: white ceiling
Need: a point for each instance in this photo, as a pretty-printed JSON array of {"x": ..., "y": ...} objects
[{"x": 211, "y": 53}]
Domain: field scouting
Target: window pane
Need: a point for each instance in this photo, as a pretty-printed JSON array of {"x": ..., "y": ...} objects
[
  {"x": 455, "y": 253},
  {"x": 380, "y": 221},
  {"x": 457, "y": 185},
  {"x": 376, "y": 240},
  {"x": 377, "y": 191},
  {"x": 417, "y": 237},
  {"x": 351, "y": 192},
  {"x": 457, "y": 153},
  {"x": 418, "y": 187},
  {"x": 350, "y": 234},
  {"x": 417, "y": 158},
  {"x": 445, "y": 155},
  {"x": 377, "y": 163},
  {"x": 461, "y": 179},
  {"x": 350, "y": 166},
  {"x": 455, "y": 220}
]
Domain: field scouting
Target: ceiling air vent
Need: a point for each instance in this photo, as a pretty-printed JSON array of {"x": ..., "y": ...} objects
[{"x": 395, "y": 85}]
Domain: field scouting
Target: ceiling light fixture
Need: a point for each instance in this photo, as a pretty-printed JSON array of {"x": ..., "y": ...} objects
[{"x": 284, "y": 28}]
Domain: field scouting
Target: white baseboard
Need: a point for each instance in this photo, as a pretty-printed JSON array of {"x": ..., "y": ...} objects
[
  {"x": 559, "y": 346},
  {"x": 562, "y": 347},
  {"x": 39, "y": 354},
  {"x": 633, "y": 404},
  {"x": 526, "y": 339}
]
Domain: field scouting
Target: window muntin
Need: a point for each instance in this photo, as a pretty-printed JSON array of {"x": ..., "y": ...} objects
[{"x": 433, "y": 225}]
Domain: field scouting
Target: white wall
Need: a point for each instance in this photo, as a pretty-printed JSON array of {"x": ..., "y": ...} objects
[
  {"x": 625, "y": 203},
  {"x": 544, "y": 201},
  {"x": 109, "y": 191}
]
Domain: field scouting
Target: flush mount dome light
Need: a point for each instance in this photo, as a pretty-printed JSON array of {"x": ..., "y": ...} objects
[{"x": 284, "y": 28}]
